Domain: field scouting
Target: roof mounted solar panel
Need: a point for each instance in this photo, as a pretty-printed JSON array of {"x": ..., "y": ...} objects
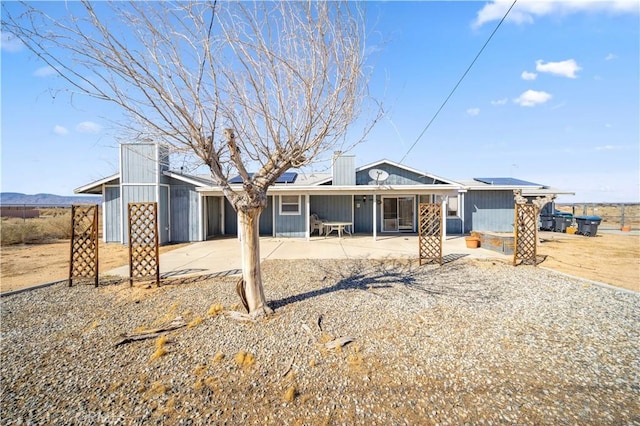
[
  {"x": 287, "y": 177},
  {"x": 506, "y": 181}
]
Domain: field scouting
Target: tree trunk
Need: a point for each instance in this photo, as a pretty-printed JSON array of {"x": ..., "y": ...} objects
[{"x": 250, "y": 250}]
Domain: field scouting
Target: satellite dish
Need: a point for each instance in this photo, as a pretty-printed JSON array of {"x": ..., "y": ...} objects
[{"x": 378, "y": 175}]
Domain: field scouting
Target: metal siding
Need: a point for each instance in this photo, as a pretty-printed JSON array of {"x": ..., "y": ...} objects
[
  {"x": 291, "y": 225},
  {"x": 335, "y": 208},
  {"x": 489, "y": 211},
  {"x": 397, "y": 176},
  {"x": 139, "y": 163},
  {"x": 184, "y": 213},
  {"x": 344, "y": 170},
  {"x": 111, "y": 214},
  {"x": 230, "y": 219}
]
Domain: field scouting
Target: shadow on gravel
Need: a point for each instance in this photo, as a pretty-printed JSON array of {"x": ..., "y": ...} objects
[{"x": 390, "y": 274}]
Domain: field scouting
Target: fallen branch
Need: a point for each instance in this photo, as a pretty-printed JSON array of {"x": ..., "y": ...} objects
[
  {"x": 150, "y": 334},
  {"x": 239, "y": 316},
  {"x": 289, "y": 366},
  {"x": 339, "y": 342}
]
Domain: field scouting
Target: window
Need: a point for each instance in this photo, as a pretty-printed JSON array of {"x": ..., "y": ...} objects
[
  {"x": 290, "y": 204},
  {"x": 452, "y": 206}
]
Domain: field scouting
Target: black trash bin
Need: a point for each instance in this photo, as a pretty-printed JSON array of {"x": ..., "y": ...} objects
[
  {"x": 588, "y": 225},
  {"x": 562, "y": 221},
  {"x": 546, "y": 223}
]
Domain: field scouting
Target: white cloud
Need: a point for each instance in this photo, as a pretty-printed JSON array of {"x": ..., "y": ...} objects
[
  {"x": 607, "y": 148},
  {"x": 473, "y": 111},
  {"x": 610, "y": 57},
  {"x": 60, "y": 130},
  {"x": 525, "y": 11},
  {"x": 566, "y": 68},
  {"x": 526, "y": 75},
  {"x": 10, "y": 43},
  {"x": 502, "y": 101},
  {"x": 44, "y": 72},
  {"x": 88, "y": 127},
  {"x": 532, "y": 98}
]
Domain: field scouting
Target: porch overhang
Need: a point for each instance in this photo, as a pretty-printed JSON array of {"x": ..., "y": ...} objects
[{"x": 348, "y": 190}]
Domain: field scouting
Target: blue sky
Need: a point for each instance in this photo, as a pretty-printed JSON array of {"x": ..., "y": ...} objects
[{"x": 554, "y": 99}]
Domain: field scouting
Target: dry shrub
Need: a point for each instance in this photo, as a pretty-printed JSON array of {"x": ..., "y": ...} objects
[
  {"x": 36, "y": 230},
  {"x": 245, "y": 359}
]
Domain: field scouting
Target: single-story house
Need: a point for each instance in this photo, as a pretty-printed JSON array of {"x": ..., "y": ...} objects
[{"x": 381, "y": 197}]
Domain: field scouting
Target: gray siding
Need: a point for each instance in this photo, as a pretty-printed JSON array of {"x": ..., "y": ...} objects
[
  {"x": 397, "y": 176},
  {"x": 134, "y": 194},
  {"x": 266, "y": 219},
  {"x": 163, "y": 215},
  {"x": 344, "y": 170},
  {"x": 111, "y": 214},
  {"x": 332, "y": 207},
  {"x": 291, "y": 225},
  {"x": 138, "y": 163},
  {"x": 265, "y": 224},
  {"x": 230, "y": 219},
  {"x": 184, "y": 213},
  {"x": 454, "y": 225},
  {"x": 488, "y": 211},
  {"x": 363, "y": 216},
  {"x": 214, "y": 216}
]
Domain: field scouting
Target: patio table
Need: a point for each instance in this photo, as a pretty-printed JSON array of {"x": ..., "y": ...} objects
[{"x": 340, "y": 227}]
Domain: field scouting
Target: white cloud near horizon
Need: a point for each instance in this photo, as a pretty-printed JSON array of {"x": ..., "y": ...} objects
[
  {"x": 566, "y": 68},
  {"x": 88, "y": 127},
  {"x": 525, "y": 11},
  {"x": 473, "y": 112},
  {"x": 526, "y": 75},
  {"x": 44, "y": 72},
  {"x": 502, "y": 101},
  {"x": 60, "y": 130},
  {"x": 10, "y": 43},
  {"x": 532, "y": 98}
]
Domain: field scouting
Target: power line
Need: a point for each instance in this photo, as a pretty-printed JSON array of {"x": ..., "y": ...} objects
[{"x": 459, "y": 81}]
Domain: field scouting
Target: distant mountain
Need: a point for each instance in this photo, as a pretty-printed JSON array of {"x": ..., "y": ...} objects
[{"x": 8, "y": 198}]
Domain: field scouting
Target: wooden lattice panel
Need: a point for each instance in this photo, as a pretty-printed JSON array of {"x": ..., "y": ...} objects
[
  {"x": 84, "y": 243},
  {"x": 430, "y": 233},
  {"x": 526, "y": 236},
  {"x": 144, "y": 259}
]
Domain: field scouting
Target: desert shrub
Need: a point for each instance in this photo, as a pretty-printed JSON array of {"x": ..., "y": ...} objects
[{"x": 35, "y": 231}]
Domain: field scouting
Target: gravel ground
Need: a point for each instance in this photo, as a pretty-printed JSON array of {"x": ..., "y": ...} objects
[{"x": 472, "y": 342}]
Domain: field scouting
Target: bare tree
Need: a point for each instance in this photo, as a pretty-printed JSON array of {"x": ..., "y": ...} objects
[{"x": 269, "y": 86}]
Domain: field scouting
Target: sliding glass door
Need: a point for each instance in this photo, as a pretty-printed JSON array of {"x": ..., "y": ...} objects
[{"x": 398, "y": 214}]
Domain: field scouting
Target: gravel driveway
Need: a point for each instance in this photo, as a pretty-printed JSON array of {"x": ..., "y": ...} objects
[{"x": 475, "y": 342}]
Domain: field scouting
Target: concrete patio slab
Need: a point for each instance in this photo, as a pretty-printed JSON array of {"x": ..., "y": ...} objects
[{"x": 222, "y": 256}]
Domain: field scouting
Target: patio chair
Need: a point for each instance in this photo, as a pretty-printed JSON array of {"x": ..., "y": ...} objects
[{"x": 315, "y": 223}]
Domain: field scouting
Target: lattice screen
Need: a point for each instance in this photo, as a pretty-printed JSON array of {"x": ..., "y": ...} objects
[
  {"x": 430, "y": 233},
  {"x": 526, "y": 234},
  {"x": 144, "y": 259},
  {"x": 84, "y": 243}
]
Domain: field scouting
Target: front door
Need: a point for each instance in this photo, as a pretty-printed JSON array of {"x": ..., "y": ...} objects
[{"x": 397, "y": 214}]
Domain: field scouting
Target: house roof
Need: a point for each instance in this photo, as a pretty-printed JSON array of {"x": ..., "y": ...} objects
[
  {"x": 407, "y": 168},
  {"x": 96, "y": 186}
]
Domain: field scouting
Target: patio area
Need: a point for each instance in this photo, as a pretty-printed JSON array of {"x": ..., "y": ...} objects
[{"x": 222, "y": 256}]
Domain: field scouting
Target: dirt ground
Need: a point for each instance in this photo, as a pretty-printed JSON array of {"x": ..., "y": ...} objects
[
  {"x": 31, "y": 264},
  {"x": 612, "y": 259},
  {"x": 609, "y": 258}
]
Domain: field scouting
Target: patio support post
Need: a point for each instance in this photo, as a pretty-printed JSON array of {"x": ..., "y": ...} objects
[
  {"x": 375, "y": 216},
  {"x": 307, "y": 233},
  {"x": 444, "y": 219}
]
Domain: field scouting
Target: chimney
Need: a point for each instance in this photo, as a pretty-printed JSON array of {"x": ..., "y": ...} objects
[{"x": 344, "y": 169}]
